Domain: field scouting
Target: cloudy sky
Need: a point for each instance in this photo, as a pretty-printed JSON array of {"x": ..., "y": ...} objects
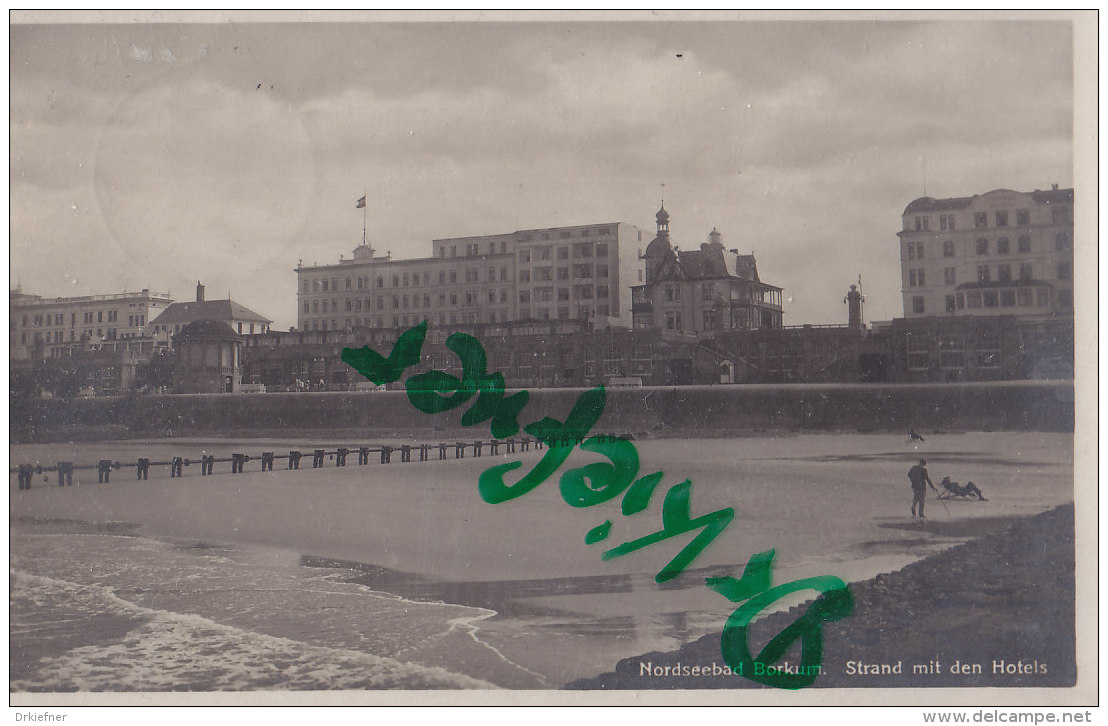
[{"x": 153, "y": 155}]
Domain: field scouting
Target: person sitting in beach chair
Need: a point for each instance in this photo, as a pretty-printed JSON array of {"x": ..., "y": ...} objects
[{"x": 956, "y": 490}]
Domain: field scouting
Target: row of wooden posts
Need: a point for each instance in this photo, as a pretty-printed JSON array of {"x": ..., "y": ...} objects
[{"x": 176, "y": 464}]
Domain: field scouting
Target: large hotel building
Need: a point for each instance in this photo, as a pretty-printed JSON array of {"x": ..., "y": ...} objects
[
  {"x": 41, "y": 327},
  {"x": 558, "y": 273},
  {"x": 1000, "y": 253}
]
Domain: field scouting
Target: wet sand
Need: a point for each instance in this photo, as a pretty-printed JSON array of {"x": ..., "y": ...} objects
[{"x": 538, "y": 607}]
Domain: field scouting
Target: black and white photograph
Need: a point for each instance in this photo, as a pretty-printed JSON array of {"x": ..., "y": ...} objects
[{"x": 650, "y": 357}]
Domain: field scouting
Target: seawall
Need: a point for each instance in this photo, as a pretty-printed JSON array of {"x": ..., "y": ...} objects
[{"x": 685, "y": 410}]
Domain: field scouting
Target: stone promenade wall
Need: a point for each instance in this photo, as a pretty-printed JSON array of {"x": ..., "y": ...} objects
[{"x": 687, "y": 410}]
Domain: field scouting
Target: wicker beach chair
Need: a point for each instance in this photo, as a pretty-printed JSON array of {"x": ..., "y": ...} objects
[{"x": 954, "y": 490}]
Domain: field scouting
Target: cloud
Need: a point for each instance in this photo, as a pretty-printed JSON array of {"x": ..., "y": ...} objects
[{"x": 228, "y": 152}]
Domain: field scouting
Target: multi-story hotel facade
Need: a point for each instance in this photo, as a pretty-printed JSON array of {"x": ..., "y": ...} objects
[
  {"x": 557, "y": 273},
  {"x": 41, "y": 327},
  {"x": 1000, "y": 253}
]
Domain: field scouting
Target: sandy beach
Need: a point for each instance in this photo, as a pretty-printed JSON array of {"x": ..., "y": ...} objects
[
  {"x": 981, "y": 614},
  {"x": 400, "y": 576}
]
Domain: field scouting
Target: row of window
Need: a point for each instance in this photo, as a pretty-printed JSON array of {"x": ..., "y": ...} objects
[
  {"x": 472, "y": 275},
  {"x": 58, "y": 336},
  {"x": 107, "y": 372},
  {"x": 580, "y": 292},
  {"x": 1058, "y": 215},
  {"x": 467, "y": 297},
  {"x": 1003, "y": 246},
  {"x": 1001, "y": 298},
  {"x": 583, "y": 249},
  {"x": 494, "y": 316},
  {"x": 88, "y": 317},
  {"x": 544, "y": 274},
  {"x": 568, "y": 233},
  {"x": 473, "y": 249},
  {"x": 404, "y": 279},
  {"x": 708, "y": 292},
  {"x": 470, "y": 297},
  {"x": 1006, "y": 298},
  {"x": 1063, "y": 270},
  {"x": 563, "y": 312}
]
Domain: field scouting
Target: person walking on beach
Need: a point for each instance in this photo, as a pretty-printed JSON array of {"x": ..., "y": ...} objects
[{"x": 920, "y": 481}]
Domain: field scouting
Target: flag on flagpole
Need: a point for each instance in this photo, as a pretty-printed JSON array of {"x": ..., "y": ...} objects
[{"x": 361, "y": 203}]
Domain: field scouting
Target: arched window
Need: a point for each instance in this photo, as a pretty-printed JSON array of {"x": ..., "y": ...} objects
[
  {"x": 1061, "y": 243},
  {"x": 948, "y": 248},
  {"x": 982, "y": 246},
  {"x": 1002, "y": 246}
]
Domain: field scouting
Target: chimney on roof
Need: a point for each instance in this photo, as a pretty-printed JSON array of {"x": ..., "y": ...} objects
[
  {"x": 199, "y": 292},
  {"x": 1054, "y": 187}
]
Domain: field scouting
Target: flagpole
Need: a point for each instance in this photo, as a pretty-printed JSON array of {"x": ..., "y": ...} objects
[{"x": 365, "y": 212}]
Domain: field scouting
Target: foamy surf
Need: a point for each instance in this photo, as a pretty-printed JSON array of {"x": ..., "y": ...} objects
[
  {"x": 101, "y": 613},
  {"x": 169, "y": 651}
]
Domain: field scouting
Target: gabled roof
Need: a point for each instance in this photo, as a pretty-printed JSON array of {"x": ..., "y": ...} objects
[
  {"x": 714, "y": 261},
  {"x": 206, "y": 330},
  {"x": 224, "y": 310},
  {"x": 705, "y": 262}
]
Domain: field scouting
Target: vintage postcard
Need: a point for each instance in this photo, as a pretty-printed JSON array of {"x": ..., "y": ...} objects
[{"x": 560, "y": 358}]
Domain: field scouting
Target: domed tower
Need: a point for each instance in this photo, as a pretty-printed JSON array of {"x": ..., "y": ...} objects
[
  {"x": 663, "y": 221},
  {"x": 658, "y": 250}
]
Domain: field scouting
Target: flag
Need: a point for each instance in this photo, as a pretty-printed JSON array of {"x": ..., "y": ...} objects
[{"x": 361, "y": 203}]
